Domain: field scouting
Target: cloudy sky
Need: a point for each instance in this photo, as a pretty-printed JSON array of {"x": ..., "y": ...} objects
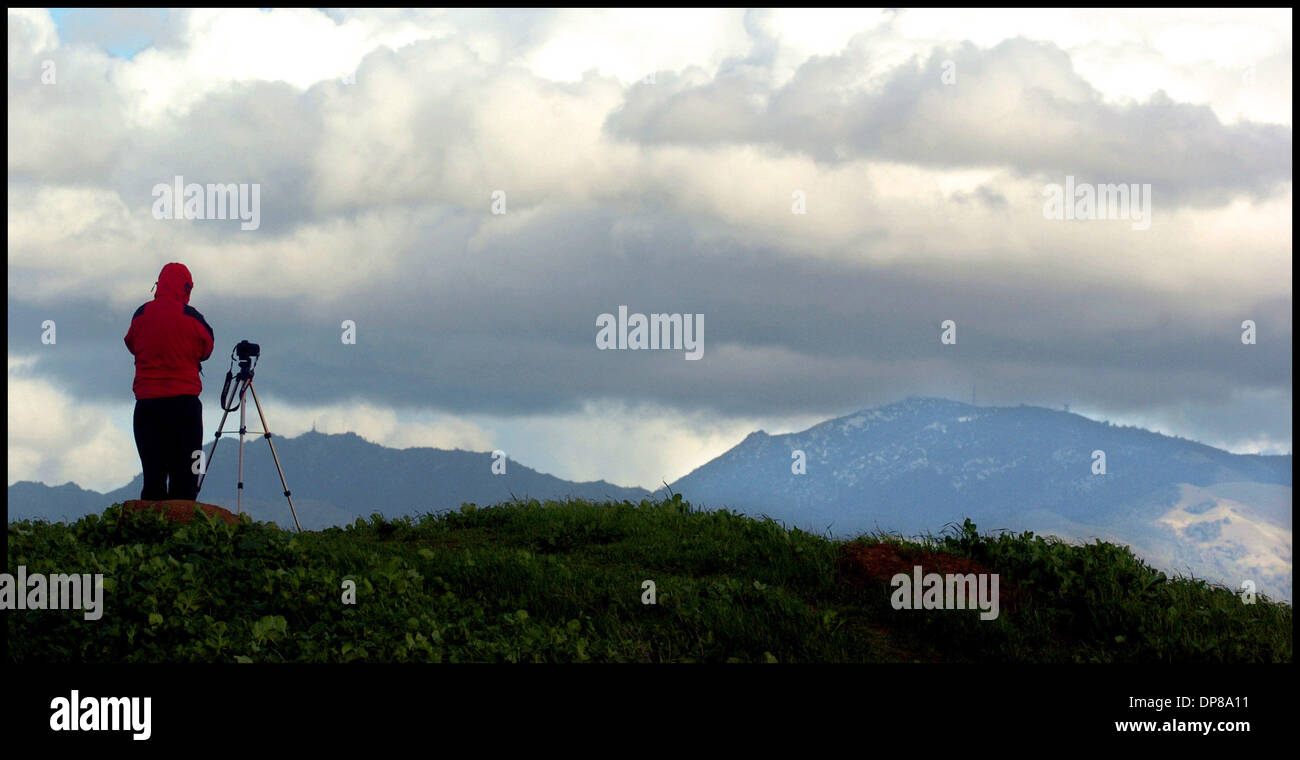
[{"x": 825, "y": 187}]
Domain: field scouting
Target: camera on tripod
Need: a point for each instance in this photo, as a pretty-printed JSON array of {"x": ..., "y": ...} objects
[
  {"x": 246, "y": 355},
  {"x": 237, "y": 385}
]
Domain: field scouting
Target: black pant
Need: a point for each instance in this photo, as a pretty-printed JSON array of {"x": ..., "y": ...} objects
[{"x": 167, "y": 433}]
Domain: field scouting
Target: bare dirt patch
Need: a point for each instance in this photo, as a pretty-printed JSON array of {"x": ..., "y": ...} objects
[
  {"x": 180, "y": 510},
  {"x": 869, "y": 565}
]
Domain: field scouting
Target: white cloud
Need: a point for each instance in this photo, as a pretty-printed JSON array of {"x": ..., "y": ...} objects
[
  {"x": 55, "y": 439},
  {"x": 627, "y": 444}
]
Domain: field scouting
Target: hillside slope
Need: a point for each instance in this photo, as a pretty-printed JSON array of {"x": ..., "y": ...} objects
[{"x": 568, "y": 582}]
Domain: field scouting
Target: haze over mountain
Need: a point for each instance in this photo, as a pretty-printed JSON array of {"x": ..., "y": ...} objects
[{"x": 910, "y": 467}]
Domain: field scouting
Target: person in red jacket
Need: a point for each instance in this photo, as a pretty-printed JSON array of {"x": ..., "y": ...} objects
[{"x": 169, "y": 339}]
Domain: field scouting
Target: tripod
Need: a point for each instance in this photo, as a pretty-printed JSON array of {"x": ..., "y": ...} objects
[{"x": 246, "y": 355}]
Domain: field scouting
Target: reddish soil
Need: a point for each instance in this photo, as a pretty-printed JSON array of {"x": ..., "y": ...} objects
[
  {"x": 870, "y": 565},
  {"x": 180, "y": 510}
]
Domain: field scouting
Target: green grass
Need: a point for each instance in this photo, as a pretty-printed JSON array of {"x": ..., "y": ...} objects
[{"x": 562, "y": 582}]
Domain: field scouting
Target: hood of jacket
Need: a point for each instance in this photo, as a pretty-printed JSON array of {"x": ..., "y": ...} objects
[{"x": 175, "y": 283}]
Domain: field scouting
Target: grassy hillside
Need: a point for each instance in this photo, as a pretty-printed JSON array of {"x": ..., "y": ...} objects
[{"x": 562, "y": 582}]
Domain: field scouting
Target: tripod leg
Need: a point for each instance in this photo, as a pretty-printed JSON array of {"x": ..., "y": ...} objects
[
  {"x": 213, "y": 451},
  {"x": 239, "y": 491},
  {"x": 266, "y": 431}
]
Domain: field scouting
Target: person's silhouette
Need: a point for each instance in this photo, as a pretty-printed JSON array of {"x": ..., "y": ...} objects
[{"x": 169, "y": 339}]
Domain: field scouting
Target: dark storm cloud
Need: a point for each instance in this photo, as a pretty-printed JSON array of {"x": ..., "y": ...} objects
[{"x": 511, "y": 329}]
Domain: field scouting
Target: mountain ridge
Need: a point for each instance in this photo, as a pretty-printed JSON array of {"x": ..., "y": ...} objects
[
  {"x": 910, "y": 467},
  {"x": 350, "y": 477}
]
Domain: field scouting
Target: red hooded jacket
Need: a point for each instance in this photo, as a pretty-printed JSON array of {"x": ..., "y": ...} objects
[{"x": 169, "y": 338}]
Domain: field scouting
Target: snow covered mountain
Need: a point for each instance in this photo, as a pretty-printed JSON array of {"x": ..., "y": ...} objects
[{"x": 917, "y": 465}]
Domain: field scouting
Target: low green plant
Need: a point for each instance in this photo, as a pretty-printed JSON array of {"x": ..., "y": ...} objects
[{"x": 528, "y": 581}]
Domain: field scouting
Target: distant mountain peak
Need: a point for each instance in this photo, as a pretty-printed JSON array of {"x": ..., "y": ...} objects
[{"x": 918, "y": 464}]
